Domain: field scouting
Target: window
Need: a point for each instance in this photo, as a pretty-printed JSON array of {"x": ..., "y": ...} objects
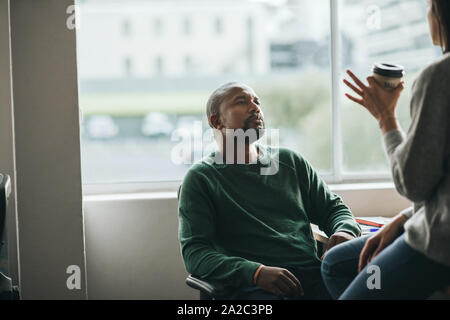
[
  {"x": 158, "y": 27},
  {"x": 285, "y": 50},
  {"x": 372, "y": 31},
  {"x": 159, "y": 66},
  {"x": 187, "y": 26},
  {"x": 127, "y": 67},
  {"x": 218, "y": 24},
  {"x": 126, "y": 28},
  {"x": 188, "y": 67}
]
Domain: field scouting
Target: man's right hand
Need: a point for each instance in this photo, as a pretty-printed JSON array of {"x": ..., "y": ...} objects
[{"x": 279, "y": 281}]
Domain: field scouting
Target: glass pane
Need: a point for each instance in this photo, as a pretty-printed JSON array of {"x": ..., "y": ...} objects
[
  {"x": 387, "y": 31},
  {"x": 147, "y": 68}
]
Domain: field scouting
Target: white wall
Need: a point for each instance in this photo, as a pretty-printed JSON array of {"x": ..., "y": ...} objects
[
  {"x": 132, "y": 248},
  {"x": 132, "y": 244},
  {"x": 47, "y": 148}
]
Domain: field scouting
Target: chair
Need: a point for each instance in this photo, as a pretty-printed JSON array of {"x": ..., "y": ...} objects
[{"x": 7, "y": 290}]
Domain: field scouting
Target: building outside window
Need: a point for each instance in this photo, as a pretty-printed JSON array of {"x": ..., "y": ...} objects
[
  {"x": 128, "y": 67},
  {"x": 218, "y": 24},
  {"x": 158, "y": 27},
  {"x": 126, "y": 28},
  {"x": 159, "y": 63},
  {"x": 187, "y": 26}
]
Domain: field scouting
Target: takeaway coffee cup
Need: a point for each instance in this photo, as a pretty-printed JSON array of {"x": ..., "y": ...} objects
[{"x": 388, "y": 75}]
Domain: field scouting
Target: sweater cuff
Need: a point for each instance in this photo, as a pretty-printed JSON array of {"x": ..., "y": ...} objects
[
  {"x": 408, "y": 212},
  {"x": 255, "y": 276},
  {"x": 351, "y": 227},
  {"x": 351, "y": 231},
  {"x": 392, "y": 139},
  {"x": 249, "y": 271}
]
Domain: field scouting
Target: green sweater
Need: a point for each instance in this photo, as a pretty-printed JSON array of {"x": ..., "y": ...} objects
[{"x": 232, "y": 219}]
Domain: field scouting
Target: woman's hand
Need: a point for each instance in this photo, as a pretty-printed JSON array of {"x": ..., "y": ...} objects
[
  {"x": 380, "y": 102},
  {"x": 380, "y": 240}
]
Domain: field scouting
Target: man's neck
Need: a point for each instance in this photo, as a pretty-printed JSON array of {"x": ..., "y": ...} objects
[{"x": 251, "y": 152}]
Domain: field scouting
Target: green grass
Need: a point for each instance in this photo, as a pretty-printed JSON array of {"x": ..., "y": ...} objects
[{"x": 138, "y": 104}]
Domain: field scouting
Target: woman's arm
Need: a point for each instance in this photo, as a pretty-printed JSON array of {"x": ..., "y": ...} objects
[{"x": 418, "y": 159}]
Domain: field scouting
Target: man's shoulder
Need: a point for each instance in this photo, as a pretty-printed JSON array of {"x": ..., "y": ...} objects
[
  {"x": 286, "y": 155},
  {"x": 294, "y": 161},
  {"x": 200, "y": 169}
]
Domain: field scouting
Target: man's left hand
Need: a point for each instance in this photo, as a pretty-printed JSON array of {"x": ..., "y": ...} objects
[{"x": 335, "y": 239}]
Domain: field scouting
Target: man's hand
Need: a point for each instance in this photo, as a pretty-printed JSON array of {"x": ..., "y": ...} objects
[
  {"x": 279, "y": 281},
  {"x": 335, "y": 239}
]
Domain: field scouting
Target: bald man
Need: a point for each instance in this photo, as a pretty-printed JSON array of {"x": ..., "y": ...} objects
[{"x": 251, "y": 230}]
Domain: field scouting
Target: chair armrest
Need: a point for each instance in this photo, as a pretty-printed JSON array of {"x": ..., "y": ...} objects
[{"x": 210, "y": 288}]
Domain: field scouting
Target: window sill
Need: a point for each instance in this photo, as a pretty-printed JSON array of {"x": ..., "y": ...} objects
[{"x": 168, "y": 190}]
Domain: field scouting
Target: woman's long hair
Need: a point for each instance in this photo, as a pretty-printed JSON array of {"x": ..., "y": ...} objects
[{"x": 441, "y": 10}]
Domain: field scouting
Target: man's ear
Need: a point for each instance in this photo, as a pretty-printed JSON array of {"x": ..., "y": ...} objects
[{"x": 216, "y": 122}]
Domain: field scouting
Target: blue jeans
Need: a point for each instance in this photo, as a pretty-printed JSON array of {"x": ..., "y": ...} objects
[
  {"x": 309, "y": 277},
  {"x": 397, "y": 272}
]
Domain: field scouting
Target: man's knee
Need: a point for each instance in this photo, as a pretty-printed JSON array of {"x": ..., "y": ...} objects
[
  {"x": 330, "y": 263},
  {"x": 342, "y": 258}
]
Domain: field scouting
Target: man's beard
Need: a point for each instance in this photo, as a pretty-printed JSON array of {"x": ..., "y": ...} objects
[{"x": 259, "y": 131}]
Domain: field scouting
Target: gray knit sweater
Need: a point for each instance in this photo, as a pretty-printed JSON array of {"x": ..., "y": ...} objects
[{"x": 420, "y": 162}]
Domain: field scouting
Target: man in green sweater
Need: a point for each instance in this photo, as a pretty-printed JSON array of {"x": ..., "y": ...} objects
[{"x": 252, "y": 230}]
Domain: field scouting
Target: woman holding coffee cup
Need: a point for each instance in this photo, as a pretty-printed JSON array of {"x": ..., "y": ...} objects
[{"x": 408, "y": 258}]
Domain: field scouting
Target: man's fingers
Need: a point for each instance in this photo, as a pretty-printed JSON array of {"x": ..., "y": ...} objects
[
  {"x": 297, "y": 285},
  {"x": 291, "y": 286},
  {"x": 334, "y": 241},
  {"x": 338, "y": 241},
  {"x": 361, "y": 85},
  {"x": 331, "y": 243},
  {"x": 351, "y": 86},
  {"x": 283, "y": 286},
  {"x": 358, "y": 101},
  {"x": 276, "y": 290}
]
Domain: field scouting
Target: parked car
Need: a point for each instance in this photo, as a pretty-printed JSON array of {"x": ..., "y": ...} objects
[
  {"x": 157, "y": 124},
  {"x": 101, "y": 127}
]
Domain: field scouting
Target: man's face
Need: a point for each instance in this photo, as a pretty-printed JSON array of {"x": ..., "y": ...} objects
[{"x": 241, "y": 109}]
